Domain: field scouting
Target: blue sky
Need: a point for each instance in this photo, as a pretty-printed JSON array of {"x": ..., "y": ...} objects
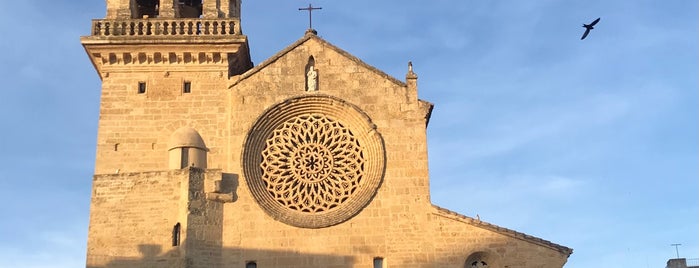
[{"x": 590, "y": 144}]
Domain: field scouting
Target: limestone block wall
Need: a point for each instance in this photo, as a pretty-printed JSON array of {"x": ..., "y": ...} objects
[
  {"x": 134, "y": 128},
  {"x": 394, "y": 109},
  {"x": 251, "y": 235},
  {"x": 204, "y": 225},
  {"x": 392, "y": 226},
  {"x": 212, "y": 8},
  {"x": 458, "y": 241},
  {"x": 229, "y": 228},
  {"x": 118, "y": 9},
  {"x": 132, "y": 217},
  {"x": 132, "y": 214}
]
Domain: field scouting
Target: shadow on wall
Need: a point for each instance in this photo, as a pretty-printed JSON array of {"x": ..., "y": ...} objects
[
  {"x": 152, "y": 256},
  {"x": 449, "y": 243}
]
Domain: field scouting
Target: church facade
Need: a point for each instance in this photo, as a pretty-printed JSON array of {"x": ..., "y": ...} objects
[{"x": 311, "y": 158}]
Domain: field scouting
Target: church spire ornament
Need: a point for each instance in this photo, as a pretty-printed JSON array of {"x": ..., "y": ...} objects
[{"x": 411, "y": 74}]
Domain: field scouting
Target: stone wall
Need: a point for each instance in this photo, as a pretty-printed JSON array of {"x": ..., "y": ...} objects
[
  {"x": 132, "y": 216},
  {"x": 134, "y": 128},
  {"x": 228, "y": 228},
  {"x": 393, "y": 224},
  {"x": 212, "y": 9},
  {"x": 460, "y": 240}
]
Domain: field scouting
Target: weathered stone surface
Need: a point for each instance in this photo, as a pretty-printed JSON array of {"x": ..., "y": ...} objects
[{"x": 137, "y": 200}]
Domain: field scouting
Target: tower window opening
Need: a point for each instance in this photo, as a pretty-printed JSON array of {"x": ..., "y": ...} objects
[
  {"x": 141, "y": 87},
  {"x": 190, "y": 8},
  {"x": 481, "y": 260},
  {"x": 378, "y": 262},
  {"x": 184, "y": 160},
  {"x": 479, "y": 264},
  {"x": 251, "y": 264},
  {"x": 146, "y": 8},
  {"x": 187, "y": 87},
  {"x": 176, "y": 235}
]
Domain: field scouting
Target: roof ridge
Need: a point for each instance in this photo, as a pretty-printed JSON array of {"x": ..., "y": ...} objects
[
  {"x": 302, "y": 40},
  {"x": 440, "y": 211}
]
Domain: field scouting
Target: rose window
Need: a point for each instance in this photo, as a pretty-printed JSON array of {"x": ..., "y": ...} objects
[
  {"x": 312, "y": 164},
  {"x": 313, "y": 161}
]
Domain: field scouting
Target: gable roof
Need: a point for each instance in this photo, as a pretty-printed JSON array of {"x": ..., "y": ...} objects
[
  {"x": 443, "y": 212},
  {"x": 308, "y": 36}
]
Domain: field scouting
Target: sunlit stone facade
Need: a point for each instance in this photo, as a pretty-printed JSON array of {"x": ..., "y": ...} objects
[{"x": 312, "y": 158}]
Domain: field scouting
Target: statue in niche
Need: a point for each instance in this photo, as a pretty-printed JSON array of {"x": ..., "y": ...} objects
[
  {"x": 311, "y": 75},
  {"x": 311, "y": 79}
]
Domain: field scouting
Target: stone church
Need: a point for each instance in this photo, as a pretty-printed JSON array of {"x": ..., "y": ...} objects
[{"x": 311, "y": 158}]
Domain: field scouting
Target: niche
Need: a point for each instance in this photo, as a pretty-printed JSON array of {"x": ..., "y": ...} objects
[{"x": 482, "y": 259}]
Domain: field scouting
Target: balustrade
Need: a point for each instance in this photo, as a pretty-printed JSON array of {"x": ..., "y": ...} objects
[{"x": 166, "y": 27}]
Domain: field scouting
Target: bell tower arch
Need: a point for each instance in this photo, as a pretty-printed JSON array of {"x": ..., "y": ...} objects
[
  {"x": 144, "y": 8},
  {"x": 138, "y": 9}
]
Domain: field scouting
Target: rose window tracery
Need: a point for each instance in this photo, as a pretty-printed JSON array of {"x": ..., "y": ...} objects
[{"x": 312, "y": 163}]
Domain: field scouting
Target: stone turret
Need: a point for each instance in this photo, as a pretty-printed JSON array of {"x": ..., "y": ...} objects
[{"x": 186, "y": 148}]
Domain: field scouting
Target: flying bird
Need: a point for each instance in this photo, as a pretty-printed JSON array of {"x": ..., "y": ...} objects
[{"x": 589, "y": 27}]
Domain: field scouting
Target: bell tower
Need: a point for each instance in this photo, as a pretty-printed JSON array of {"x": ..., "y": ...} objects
[
  {"x": 166, "y": 67},
  {"x": 164, "y": 64},
  {"x": 143, "y": 32}
]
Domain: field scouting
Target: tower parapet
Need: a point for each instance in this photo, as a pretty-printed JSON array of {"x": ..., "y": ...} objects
[
  {"x": 149, "y": 30},
  {"x": 140, "y": 28}
]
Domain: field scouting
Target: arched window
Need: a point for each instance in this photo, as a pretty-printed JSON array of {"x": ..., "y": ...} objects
[
  {"x": 145, "y": 8},
  {"x": 479, "y": 264},
  {"x": 251, "y": 264},
  {"x": 482, "y": 259},
  {"x": 190, "y": 8},
  {"x": 176, "y": 235}
]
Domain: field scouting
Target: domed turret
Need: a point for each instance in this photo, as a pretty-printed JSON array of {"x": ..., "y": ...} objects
[{"x": 186, "y": 148}]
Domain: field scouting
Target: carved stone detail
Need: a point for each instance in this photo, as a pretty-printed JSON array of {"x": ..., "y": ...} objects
[
  {"x": 313, "y": 161},
  {"x": 312, "y": 164}
]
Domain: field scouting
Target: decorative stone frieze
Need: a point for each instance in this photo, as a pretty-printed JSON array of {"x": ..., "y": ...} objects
[{"x": 140, "y": 58}]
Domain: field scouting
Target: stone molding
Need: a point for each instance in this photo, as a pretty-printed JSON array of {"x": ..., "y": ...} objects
[{"x": 155, "y": 58}]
